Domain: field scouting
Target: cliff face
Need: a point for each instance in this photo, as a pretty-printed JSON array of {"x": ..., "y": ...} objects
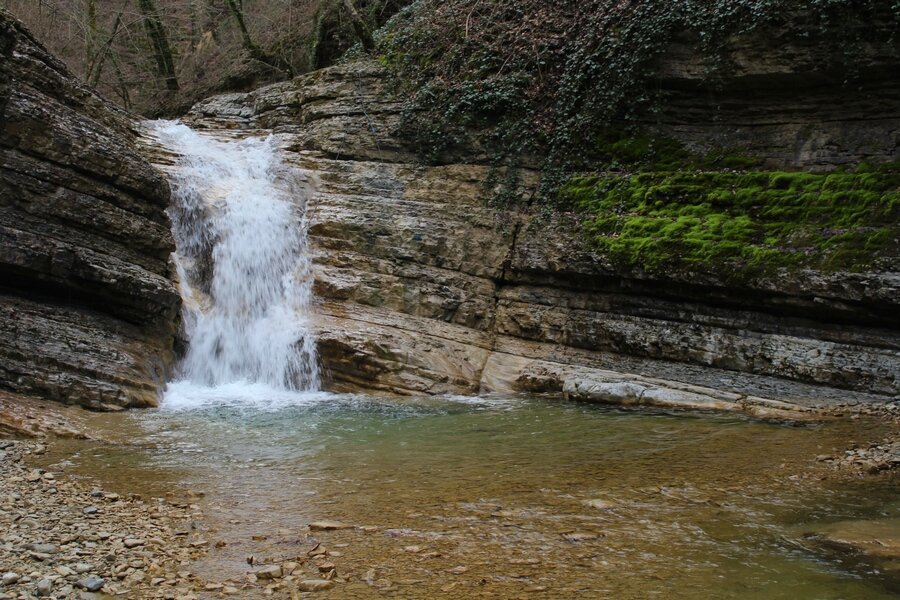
[
  {"x": 793, "y": 98},
  {"x": 426, "y": 288},
  {"x": 87, "y": 310}
]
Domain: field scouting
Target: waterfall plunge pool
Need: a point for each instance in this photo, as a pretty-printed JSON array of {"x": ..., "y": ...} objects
[
  {"x": 502, "y": 497},
  {"x": 448, "y": 497}
]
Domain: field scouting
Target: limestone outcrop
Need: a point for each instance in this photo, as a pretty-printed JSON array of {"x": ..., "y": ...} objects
[
  {"x": 87, "y": 308},
  {"x": 425, "y": 287}
]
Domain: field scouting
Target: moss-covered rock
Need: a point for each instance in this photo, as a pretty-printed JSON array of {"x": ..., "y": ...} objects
[{"x": 738, "y": 223}]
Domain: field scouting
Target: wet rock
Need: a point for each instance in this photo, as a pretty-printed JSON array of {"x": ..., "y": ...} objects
[
  {"x": 875, "y": 458},
  {"x": 877, "y": 540},
  {"x": 315, "y": 585},
  {"x": 91, "y": 584},
  {"x": 325, "y": 567},
  {"x": 329, "y": 526},
  {"x": 270, "y": 572}
]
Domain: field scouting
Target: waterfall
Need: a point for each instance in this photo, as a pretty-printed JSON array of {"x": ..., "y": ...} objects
[{"x": 238, "y": 218}]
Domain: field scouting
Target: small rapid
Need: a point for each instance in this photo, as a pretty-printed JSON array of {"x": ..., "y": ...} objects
[{"x": 238, "y": 218}]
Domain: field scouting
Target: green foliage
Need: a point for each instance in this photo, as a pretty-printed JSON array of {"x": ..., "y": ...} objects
[
  {"x": 741, "y": 224},
  {"x": 539, "y": 78}
]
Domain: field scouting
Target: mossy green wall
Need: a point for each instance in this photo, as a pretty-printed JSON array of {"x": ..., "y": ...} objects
[{"x": 741, "y": 223}]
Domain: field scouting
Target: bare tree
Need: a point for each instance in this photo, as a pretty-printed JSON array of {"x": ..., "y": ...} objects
[
  {"x": 90, "y": 33},
  {"x": 160, "y": 56},
  {"x": 273, "y": 60},
  {"x": 359, "y": 26},
  {"x": 162, "y": 51}
]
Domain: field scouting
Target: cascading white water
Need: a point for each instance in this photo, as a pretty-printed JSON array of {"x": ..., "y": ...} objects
[{"x": 240, "y": 229}]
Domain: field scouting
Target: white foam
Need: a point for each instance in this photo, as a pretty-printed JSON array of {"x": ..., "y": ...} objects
[
  {"x": 185, "y": 395},
  {"x": 245, "y": 273}
]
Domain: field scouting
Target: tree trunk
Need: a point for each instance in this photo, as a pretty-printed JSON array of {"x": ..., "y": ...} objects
[
  {"x": 96, "y": 69},
  {"x": 90, "y": 36},
  {"x": 255, "y": 51},
  {"x": 360, "y": 27},
  {"x": 162, "y": 52}
]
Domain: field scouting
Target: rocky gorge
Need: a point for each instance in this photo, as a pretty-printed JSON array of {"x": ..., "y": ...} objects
[
  {"x": 448, "y": 326},
  {"x": 425, "y": 287}
]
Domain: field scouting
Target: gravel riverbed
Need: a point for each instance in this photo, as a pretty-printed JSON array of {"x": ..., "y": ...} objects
[{"x": 64, "y": 539}]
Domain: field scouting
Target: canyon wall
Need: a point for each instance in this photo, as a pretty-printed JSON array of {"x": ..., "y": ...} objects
[
  {"x": 425, "y": 287},
  {"x": 87, "y": 308}
]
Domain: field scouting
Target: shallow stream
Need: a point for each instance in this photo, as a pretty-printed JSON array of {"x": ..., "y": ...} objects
[{"x": 500, "y": 497}]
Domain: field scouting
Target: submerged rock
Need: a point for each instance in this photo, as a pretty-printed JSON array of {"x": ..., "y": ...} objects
[
  {"x": 315, "y": 585},
  {"x": 329, "y": 526},
  {"x": 877, "y": 541}
]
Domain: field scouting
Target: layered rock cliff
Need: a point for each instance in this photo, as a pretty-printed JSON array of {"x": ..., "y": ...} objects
[
  {"x": 425, "y": 287},
  {"x": 87, "y": 309}
]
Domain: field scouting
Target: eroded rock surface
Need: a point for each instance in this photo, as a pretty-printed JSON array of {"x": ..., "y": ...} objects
[
  {"x": 87, "y": 309},
  {"x": 425, "y": 287}
]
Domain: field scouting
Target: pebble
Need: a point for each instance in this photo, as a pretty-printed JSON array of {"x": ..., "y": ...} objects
[
  {"x": 91, "y": 584},
  {"x": 42, "y": 548},
  {"x": 325, "y": 567},
  {"x": 56, "y": 543},
  {"x": 270, "y": 572},
  {"x": 44, "y": 586},
  {"x": 877, "y": 457}
]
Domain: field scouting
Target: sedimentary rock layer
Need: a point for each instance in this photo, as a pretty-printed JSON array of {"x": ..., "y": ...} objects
[
  {"x": 425, "y": 287},
  {"x": 87, "y": 309}
]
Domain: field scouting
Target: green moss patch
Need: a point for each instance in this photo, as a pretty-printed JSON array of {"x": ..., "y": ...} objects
[{"x": 735, "y": 223}]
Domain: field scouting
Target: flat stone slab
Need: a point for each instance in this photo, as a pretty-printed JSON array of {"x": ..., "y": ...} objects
[
  {"x": 329, "y": 526},
  {"x": 877, "y": 540}
]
